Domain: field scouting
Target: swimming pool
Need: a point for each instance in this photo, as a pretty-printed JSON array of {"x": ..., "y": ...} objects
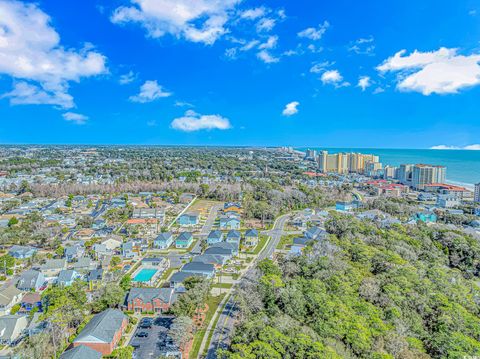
[{"x": 145, "y": 275}]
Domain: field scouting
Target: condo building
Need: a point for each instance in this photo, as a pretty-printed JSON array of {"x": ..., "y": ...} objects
[
  {"x": 423, "y": 175},
  {"x": 346, "y": 162},
  {"x": 477, "y": 193}
]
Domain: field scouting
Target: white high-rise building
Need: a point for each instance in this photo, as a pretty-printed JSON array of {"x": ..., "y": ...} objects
[
  {"x": 476, "y": 196},
  {"x": 427, "y": 174}
]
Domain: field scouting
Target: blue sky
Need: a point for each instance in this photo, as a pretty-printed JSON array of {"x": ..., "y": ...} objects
[{"x": 210, "y": 72}]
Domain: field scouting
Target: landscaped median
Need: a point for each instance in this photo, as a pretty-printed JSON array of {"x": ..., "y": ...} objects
[{"x": 213, "y": 303}]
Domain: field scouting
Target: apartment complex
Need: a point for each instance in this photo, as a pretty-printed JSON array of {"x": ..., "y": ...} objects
[
  {"x": 423, "y": 175},
  {"x": 347, "y": 162},
  {"x": 477, "y": 193}
]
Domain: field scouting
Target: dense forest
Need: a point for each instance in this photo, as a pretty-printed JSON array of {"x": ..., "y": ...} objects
[{"x": 365, "y": 292}]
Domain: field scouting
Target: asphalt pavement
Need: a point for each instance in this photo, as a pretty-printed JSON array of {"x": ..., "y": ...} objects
[{"x": 222, "y": 332}]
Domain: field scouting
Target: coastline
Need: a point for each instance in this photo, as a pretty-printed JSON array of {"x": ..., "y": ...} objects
[{"x": 469, "y": 186}]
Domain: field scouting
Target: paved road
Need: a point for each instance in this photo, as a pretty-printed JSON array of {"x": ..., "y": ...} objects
[
  {"x": 207, "y": 227},
  {"x": 226, "y": 322}
]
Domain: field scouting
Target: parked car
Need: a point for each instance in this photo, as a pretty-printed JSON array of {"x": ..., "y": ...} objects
[
  {"x": 142, "y": 334},
  {"x": 146, "y": 323}
]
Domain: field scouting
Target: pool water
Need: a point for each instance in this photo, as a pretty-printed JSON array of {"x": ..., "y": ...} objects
[{"x": 145, "y": 275}]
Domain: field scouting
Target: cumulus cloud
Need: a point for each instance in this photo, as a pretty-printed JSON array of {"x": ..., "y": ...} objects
[
  {"x": 30, "y": 51},
  {"x": 193, "y": 121},
  {"x": 127, "y": 78},
  {"x": 320, "y": 66},
  {"x": 442, "y": 72},
  {"x": 313, "y": 33},
  {"x": 333, "y": 77},
  {"x": 195, "y": 20},
  {"x": 264, "y": 53},
  {"x": 150, "y": 91},
  {"x": 76, "y": 118},
  {"x": 364, "y": 82},
  {"x": 475, "y": 147},
  {"x": 266, "y": 24},
  {"x": 266, "y": 57},
  {"x": 291, "y": 108}
]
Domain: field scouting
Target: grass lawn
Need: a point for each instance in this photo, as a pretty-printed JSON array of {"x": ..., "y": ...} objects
[
  {"x": 286, "y": 240},
  {"x": 261, "y": 243},
  {"x": 212, "y": 303}
]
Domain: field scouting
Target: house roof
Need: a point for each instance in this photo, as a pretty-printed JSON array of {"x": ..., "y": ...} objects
[
  {"x": 164, "y": 236},
  {"x": 210, "y": 258},
  {"x": 215, "y": 234},
  {"x": 96, "y": 274},
  {"x": 53, "y": 264},
  {"x": 198, "y": 267},
  {"x": 8, "y": 323},
  {"x": 29, "y": 278},
  {"x": 184, "y": 236},
  {"x": 251, "y": 233},
  {"x": 66, "y": 275},
  {"x": 102, "y": 327},
  {"x": 31, "y": 298},
  {"x": 233, "y": 234},
  {"x": 180, "y": 277},
  {"x": 81, "y": 352},
  {"x": 7, "y": 295},
  {"x": 149, "y": 294}
]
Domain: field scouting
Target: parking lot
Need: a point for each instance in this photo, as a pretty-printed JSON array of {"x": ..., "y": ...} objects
[{"x": 157, "y": 342}]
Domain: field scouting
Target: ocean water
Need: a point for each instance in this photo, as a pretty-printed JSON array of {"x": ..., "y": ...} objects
[{"x": 463, "y": 166}]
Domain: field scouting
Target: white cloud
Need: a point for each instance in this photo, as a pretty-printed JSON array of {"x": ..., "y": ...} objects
[
  {"x": 193, "y": 121},
  {"x": 150, "y": 91},
  {"x": 364, "y": 82},
  {"x": 75, "y": 118},
  {"x": 24, "y": 93},
  {"x": 475, "y": 147},
  {"x": 291, "y": 109},
  {"x": 266, "y": 24},
  {"x": 320, "y": 67},
  {"x": 195, "y": 20},
  {"x": 313, "y": 33},
  {"x": 127, "y": 78},
  {"x": 30, "y": 50},
  {"x": 250, "y": 45},
  {"x": 266, "y": 57},
  {"x": 333, "y": 77},
  {"x": 363, "y": 46},
  {"x": 183, "y": 104},
  {"x": 442, "y": 71},
  {"x": 270, "y": 43},
  {"x": 252, "y": 14}
]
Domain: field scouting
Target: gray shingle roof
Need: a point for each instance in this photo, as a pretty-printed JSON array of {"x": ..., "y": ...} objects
[
  {"x": 81, "y": 352},
  {"x": 149, "y": 294},
  {"x": 102, "y": 327}
]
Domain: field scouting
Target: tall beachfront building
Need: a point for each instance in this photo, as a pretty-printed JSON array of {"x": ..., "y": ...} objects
[
  {"x": 427, "y": 174},
  {"x": 477, "y": 193},
  {"x": 405, "y": 174},
  {"x": 346, "y": 162}
]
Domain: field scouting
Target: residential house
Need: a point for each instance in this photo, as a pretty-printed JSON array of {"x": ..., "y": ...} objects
[
  {"x": 101, "y": 250},
  {"x": 227, "y": 253},
  {"x": 9, "y": 296},
  {"x": 298, "y": 245},
  {"x": 177, "y": 279},
  {"x": 158, "y": 300},
  {"x": 99, "y": 224},
  {"x": 103, "y": 332},
  {"x": 234, "y": 236},
  {"x": 31, "y": 280},
  {"x": 30, "y": 301},
  {"x": 94, "y": 278},
  {"x": 52, "y": 267},
  {"x": 81, "y": 352},
  {"x": 251, "y": 237},
  {"x": 214, "y": 237},
  {"x": 189, "y": 219},
  {"x": 232, "y": 207},
  {"x": 72, "y": 253},
  {"x": 113, "y": 243},
  {"x": 184, "y": 240},
  {"x": 157, "y": 213},
  {"x": 11, "y": 328},
  {"x": 186, "y": 197},
  {"x": 163, "y": 240},
  {"x": 22, "y": 252},
  {"x": 316, "y": 233},
  {"x": 67, "y": 277},
  {"x": 427, "y": 217},
  {"x": 84, "y": 265},
  {"x": 229, "y": 222},
  {"x": 205, "y": 269},
  {"x": 217, "y": 260},
  {"x": 147, "y": 227}
]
